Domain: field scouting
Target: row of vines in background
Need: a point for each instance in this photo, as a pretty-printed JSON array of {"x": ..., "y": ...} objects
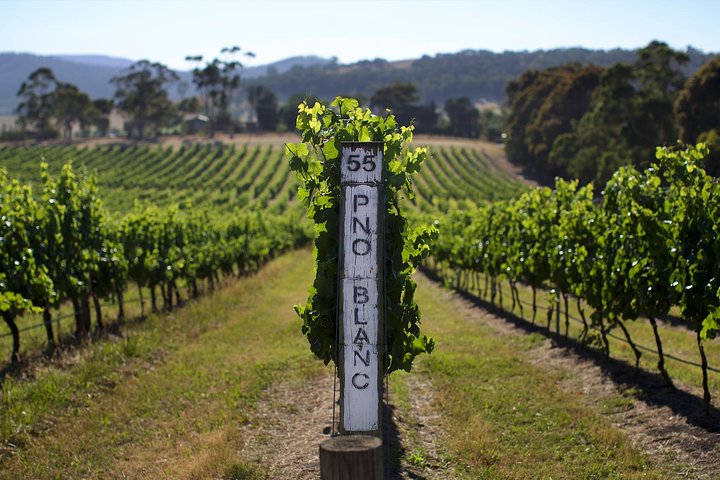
[
  {"x": 217, "y": 175},
  {"x": 62, "y": 246},
  {"x": 651, "y": 243},
  {"x": 250, "y": 175}
]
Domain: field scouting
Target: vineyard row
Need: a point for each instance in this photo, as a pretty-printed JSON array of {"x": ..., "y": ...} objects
[
  {"x": 651, "y": 244},
  {"x": 64, "y": 247}
]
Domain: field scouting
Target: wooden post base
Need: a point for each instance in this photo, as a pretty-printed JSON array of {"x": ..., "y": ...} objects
[{"x": 351, "y": 457}]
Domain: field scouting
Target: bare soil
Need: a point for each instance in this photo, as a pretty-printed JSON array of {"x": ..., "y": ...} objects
[
  {"x": 292, "y": 420},
  {"x": 287, "y": 428}
]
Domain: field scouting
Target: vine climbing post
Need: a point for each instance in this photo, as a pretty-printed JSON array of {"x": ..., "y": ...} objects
[{"x": 361, "y": 287}]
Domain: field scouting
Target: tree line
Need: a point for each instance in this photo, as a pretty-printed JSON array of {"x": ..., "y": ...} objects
[
  {"x": 477, "y": 74},
  {"x": 45, "y": 101},
  {"x": 585, "y": 121},
  {"x": 142, "y": 95}
]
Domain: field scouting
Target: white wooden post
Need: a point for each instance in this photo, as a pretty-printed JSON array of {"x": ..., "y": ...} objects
[{"x": 361, "y": 288}]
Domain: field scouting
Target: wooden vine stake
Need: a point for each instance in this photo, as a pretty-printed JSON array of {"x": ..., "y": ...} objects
[{"x": 362, "y": 330}]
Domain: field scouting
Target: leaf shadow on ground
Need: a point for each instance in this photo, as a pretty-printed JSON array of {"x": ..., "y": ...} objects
[{"x": 394, "y": 450}]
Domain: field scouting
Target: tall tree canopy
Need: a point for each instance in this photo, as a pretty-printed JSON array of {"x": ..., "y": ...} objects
[
  {"x": 265, "y": 104},
  {"x": 70, "y": 105},
  {"x": 395, "y": 96},
  {"x": 218, "y": 80},
  {"x": 543, "y": 105},
  {"x": 45, "y": 101},
  {"x": 698, "y": 111},
  {"x": 401, "y": 98},
  {"x": 463, "y": 116},
  {"x": 141, "y": 93},
  {"x": 101, "y": 118},
  {"x": 585, "y": 122},
  {"x": 35, "y": 108}
]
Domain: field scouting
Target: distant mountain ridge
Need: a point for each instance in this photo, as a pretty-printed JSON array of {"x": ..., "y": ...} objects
[
  {"x": 281, "y": 66},
  {"x": 478, "y": 74},
  {"x": 92, "y": 73}
]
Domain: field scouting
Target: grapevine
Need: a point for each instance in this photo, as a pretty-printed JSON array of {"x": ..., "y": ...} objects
[
  {"x": 651, "y": 243},
  {"x": 316, "y": 162}
]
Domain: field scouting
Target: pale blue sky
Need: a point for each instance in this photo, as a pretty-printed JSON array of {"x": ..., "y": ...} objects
[{"x": 167, "y": 31}]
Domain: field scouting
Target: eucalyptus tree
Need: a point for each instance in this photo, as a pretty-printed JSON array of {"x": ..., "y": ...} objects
[
  {"x": 218, "y": 80},
  {"x": 70, "y": 106},
  {"x": 36, "y": 98},
  {"x": 141, "y": 93}
]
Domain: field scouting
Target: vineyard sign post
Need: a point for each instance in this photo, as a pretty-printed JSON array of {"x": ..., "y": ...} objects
[{"x": 362, "y": 294}]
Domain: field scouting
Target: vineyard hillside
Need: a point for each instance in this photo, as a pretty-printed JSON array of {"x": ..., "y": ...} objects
[{"x": 252, "y": 172}]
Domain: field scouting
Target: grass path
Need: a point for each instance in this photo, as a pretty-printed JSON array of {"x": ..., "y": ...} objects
[
  {"x": 226, "y": 388},
  {"x": 185, "y": 385},
  {"x": 497, "y": 414}
]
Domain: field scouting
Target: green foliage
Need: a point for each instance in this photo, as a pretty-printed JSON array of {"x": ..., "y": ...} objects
[
  {"x": 693, "y": 204},
  {"x": 72, "y": 218},
  {"x": 24, "y": 281},
  {"x": 208, "y": 176},
  {"x": 650, "y": 245},
  {"x": 636, "y": 246},
  {"x": 585, "y": 122},
  {"x": 698, "y": 111},
  {"x": 288, "y": 111},
  {"x": 66, "y": 247},
  {"x": 461, "y": 177},
  {"x": 317, "y": 164},
  {"x": 140, "y": 92}
]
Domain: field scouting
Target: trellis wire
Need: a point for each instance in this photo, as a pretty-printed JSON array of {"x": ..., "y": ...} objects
[
  {"x": 58, "y": 319},
  {"x": 624, "y": 340}
]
